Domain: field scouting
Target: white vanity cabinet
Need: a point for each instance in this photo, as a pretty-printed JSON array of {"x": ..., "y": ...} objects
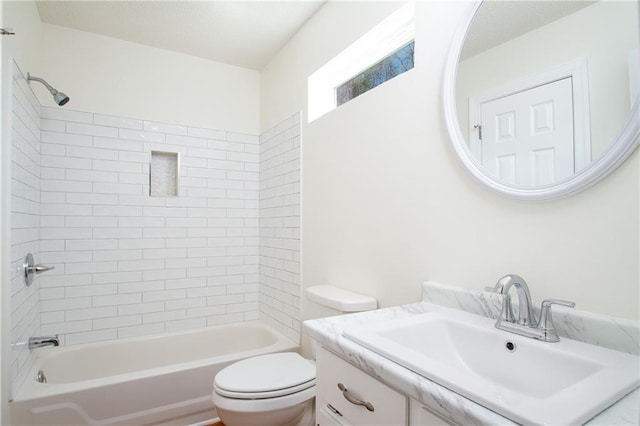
[
  {"x": 347, "y": 396},
  {"x": 334, "y": 406}
]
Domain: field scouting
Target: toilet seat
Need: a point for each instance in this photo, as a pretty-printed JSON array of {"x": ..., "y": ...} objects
[{"x": 266, "y": 376}]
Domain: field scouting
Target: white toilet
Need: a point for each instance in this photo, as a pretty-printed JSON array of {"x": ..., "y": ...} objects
[{"x": 279, "y": 389}]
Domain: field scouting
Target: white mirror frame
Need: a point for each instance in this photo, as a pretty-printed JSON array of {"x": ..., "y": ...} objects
[{"x": 622, "y": 146}]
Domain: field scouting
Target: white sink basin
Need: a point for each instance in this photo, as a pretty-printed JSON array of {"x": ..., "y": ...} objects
[{"x": 535, "y": 382}]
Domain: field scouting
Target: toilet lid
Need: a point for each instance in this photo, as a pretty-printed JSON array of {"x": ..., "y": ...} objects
[{"x": 266, "y": 376}]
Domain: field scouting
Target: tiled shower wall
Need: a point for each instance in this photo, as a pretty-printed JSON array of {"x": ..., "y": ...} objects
[
  {"x": 25, "y": 219},
  {"x": 129, "y": 264},
  {"x": 280, "y": 227}
]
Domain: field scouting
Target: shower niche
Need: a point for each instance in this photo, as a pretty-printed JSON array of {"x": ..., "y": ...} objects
[{"x": 164, "y": 169}]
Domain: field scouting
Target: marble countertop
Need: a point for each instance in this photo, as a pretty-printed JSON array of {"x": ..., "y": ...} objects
[{"x": 448, "y": 404}]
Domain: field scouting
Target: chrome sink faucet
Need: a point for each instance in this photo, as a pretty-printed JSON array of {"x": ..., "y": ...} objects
[{"x": 526, "y": 323}]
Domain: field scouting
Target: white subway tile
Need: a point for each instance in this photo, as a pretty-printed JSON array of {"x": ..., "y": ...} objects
[
  {"x": 90, "y": 336},
  {"x": 52, "y": 125},
  {"x": 112, "y": 121},
  {"x": 116, "y": 166},
  {"x": 115, "y": 322},
  {"x": 187, "y": 141},
  {"x": 137, "y": 178},
  {"x": 66, "y": 115},
  {"x": 91, "y": 176},
  {"x": 164, "y": 274},
  {"x": 185, "y": 324},
  {"x": 173, "y": 129},
  {"x": 140, "y": 265},
  {"x": 117, "y": 188},
  {"x": 66, "y": 327},
  {"x": 114, "y": 255},
  {"x": 159, "y": 296},
  {"x": 205, "y": 311},
  {"x": 92, "y": 199},
  {"x": 206, "y": 133},
  {"x": 244, "y": 138},
  {"x": 65, "y": 233},
  {"x": 140, "y": 308},
  {"x": 116, "y": 301},
  {"x": 65, "y": 162},
  {"x": 92, "y": 130},
  {"x": 65, "y": 257},
  {"x": 91, "y": 290},
  {"x": 172, "y": 315},
  {"x": 117, "y": 211},
  {"x": 185, "y": 263},
  {"x": 164, "y": 253},
  {"x": 141, "y": 243},
  {"x": 142, "y": 136},
  {"x": 172, "y": 234},
  {"x": 139, "y": 287},
  {"x": 64, "y": 304},
  {"x": 65, "y": 186},
  {"x": 123, "y": 233},
  {"x": 140, "y": 330},
  {"x": 65, "y": 139},
  {"x": 177, "y": 222},
  {"x": 134, "y": 157},
  {"x": 117, "y": 144},
  {"x": 52, "y": 149},
  {"x": 91, "y": 222},
  {"x": 144, "y": 222},
  {"x": 91, "y": 267}
]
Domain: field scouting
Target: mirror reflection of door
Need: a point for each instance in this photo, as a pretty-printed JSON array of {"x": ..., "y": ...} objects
[{"x": 527, "y": 137}]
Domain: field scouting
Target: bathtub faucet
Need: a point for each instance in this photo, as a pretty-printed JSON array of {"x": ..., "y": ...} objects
[{"x": 39, "y": 342}]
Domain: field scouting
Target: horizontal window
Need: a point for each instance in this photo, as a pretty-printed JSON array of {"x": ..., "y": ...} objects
[
  {"x": 393, "y": 65},
  {"x": 382, "y": 53}
]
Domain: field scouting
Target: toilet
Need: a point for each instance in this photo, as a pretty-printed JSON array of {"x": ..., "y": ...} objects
[{"x": 279, "y": 389}]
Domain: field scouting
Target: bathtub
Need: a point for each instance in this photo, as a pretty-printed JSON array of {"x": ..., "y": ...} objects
[{"x": 163, "y": 379}]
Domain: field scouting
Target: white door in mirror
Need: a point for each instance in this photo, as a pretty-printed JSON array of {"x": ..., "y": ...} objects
[{"x": 527, "y": 137}]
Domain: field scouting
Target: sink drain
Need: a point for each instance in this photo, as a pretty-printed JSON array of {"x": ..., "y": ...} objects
[{"x": 511, "y": 347}]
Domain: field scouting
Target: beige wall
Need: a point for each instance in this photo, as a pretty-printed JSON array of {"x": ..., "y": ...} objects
[
  {"x": 387, "y": 205},
  {"x": 115, "y": 77}
]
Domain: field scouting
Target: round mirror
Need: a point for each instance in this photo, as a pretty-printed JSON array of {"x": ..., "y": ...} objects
[{"x": 541, "y": 98}]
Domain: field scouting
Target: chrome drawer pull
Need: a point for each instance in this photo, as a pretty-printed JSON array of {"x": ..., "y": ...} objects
[{"x": 355, "y": 401}]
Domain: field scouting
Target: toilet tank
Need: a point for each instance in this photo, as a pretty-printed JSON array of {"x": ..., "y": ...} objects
[{"x": 327, "y": 300}]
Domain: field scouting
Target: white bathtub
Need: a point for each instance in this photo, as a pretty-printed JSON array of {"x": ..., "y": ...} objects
[{"x": 162, "y": 379}]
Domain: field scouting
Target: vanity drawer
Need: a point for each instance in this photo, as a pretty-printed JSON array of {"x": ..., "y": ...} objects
[{"x": 389, "y": 407}]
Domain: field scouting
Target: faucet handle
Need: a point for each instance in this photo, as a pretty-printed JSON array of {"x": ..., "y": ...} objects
[{"x": 545, "y": 324}]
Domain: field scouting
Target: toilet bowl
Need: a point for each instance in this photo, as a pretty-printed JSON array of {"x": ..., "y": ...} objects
[
  {"x": 274, "y": 389},
  {"x": 279, "y": 389}
]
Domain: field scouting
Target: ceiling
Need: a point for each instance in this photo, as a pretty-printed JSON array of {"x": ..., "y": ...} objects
[
  {"x": 241, "y": 33},
  {"x": 499, "y": 21}
]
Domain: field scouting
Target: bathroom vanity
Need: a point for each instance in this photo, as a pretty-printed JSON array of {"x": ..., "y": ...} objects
[{"x": 358, "y": 386}]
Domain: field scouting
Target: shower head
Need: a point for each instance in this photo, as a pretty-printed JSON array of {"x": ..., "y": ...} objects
[{"x": 59, "y": 97}]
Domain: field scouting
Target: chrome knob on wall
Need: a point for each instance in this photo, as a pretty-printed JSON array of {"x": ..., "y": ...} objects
[{"x": 31, "y": 270}]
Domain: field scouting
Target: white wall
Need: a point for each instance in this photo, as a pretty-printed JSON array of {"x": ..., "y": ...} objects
[
  {"x": 587, "y": 34},
  {"x": 386, "y": 204},
  {"x": 115, "y": 77}
]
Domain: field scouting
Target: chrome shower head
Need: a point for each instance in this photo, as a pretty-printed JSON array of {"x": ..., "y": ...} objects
[{"x": 60, "y": 98}]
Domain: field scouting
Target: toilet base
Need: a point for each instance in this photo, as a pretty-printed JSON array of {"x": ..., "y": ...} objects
[{"x": 299, "y": 415}]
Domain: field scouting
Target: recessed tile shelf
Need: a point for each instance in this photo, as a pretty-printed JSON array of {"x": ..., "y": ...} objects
[{"x": 163, "y": 174}]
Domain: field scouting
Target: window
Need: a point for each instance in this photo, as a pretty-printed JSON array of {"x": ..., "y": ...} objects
[
  {"x": 381, "y": 54},
  {"x": 393, "y": 65}
]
